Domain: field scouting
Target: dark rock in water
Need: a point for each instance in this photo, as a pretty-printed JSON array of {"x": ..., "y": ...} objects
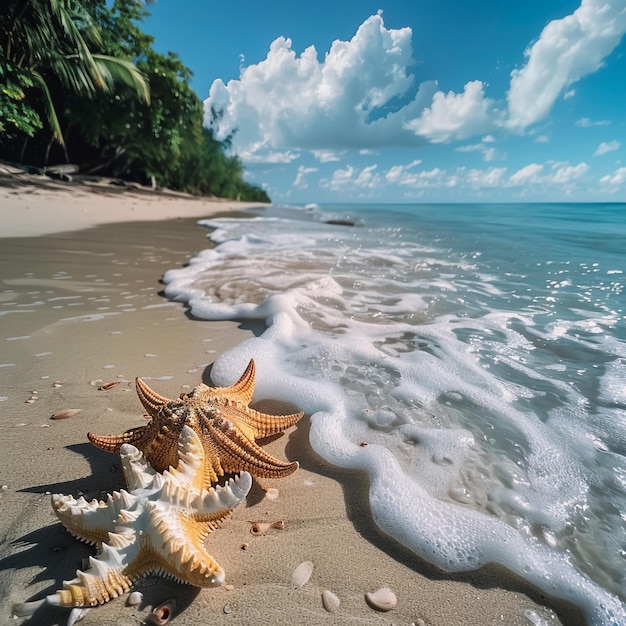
[{"x": 340, "y": 222}]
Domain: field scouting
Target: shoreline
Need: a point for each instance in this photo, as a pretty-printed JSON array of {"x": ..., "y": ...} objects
[{"x": 84, "y": 305}]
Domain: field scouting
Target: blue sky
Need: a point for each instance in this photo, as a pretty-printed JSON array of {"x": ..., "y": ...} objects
[{"x": 410, "y": 100}]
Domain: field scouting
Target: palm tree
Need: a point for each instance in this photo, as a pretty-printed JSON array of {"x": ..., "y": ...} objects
[{"x": 53, "y": 39}]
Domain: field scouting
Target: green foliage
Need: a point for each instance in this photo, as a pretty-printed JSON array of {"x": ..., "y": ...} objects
[
  {"x": 91, "y": 78},
  {"x": 57, "y": 40},
  {"x": 16, "y": 114}
]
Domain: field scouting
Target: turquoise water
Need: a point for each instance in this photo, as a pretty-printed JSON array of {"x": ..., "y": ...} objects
[{"x": 478, "y": 349}]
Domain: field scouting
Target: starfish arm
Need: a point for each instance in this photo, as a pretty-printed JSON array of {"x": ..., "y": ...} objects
[
  {"x": 152, "y": 401},
  {"x": 238, "y": 453},
  {"x": 90, "y": 521},
  {"x": 241, "y": 392},
  {"x": 112, "y": 443},
  {"x": 264, "y": 425}
]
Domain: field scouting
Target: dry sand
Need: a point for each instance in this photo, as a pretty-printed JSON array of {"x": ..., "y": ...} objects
[{"x": 81, "y": 306}]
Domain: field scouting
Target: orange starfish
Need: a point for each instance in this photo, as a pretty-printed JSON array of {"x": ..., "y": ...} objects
[{"x": 221, "y": 417}]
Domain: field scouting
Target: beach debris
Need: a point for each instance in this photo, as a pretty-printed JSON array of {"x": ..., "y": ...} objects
[
  {"x": 381, "y": 600},
  {"x": 330, "y": 601},
  {"x": 221, "y": 417},
  {"x": 66, "y": 414},
  {"x": 260, "y": 528},
  {"x": 107, "y": 386},
  {"x": 163, "y": 613},
  {"x": 228, "y": 587},
  {"x": 96, "y": 382},
  {"x": 301, "y": 574},
  {"x": 159, "y": 526},
  {"x": 34, "y": 396},
  {"x": 135, "y": 598},
  {"x": 271, "y": 493}
]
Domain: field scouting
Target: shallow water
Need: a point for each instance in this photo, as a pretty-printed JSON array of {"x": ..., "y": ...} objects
[{"x": 470, "y": 358}]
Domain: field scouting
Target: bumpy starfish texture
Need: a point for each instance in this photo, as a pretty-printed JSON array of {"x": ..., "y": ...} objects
[
  {"x": 158, "y": 526},
  {"x": 221, "y": 417}
]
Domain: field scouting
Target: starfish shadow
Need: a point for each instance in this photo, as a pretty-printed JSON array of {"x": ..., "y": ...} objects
[{"x": 105, "y": 477}]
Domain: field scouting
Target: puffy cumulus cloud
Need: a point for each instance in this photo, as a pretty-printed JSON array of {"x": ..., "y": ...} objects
[
  {"x": 351, "y": 178},
  {"x": 491, "y": 177},
  {"x": 618, "y": 177},
  {"x": 290, "y": 101},
  {"x": 457, "y": 115},
  {"x": 567, "y": 49},
  {"x": 566, "y": 174},
  {"x": 559, "y": 177},
  {"x": 350, "y": 98},
  {"x": 607, "y": 146},
  {"x": 525, "y": 175}
]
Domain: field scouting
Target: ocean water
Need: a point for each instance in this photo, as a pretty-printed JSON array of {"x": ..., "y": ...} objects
[{"x": 470, "y": 358}]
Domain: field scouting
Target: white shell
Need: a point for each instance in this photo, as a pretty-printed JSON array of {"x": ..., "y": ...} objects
[
  {"x": 330, "y": 601},
  {"x": 301, "y": 574},
  {"x": 271, "y": 493},
  {"x": 382, "y": 600},
  {"x": 135, "y": 599}
]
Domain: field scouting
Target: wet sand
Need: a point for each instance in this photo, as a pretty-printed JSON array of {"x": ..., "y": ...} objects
[{"x": 84, "y": 306}]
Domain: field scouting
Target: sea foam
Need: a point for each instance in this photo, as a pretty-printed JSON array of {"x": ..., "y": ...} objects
[{"x": 485, "y": 440}]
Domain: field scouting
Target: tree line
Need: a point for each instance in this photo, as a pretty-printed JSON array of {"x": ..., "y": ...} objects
[{"x": 81, "y": 83}]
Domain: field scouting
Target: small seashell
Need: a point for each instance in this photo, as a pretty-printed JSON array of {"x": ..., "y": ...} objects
[
  {"x": 163, "y": 613},
  {"x": 57, "y": 383},
  {"x": 227, "y": 609},
  {"x": 107, "y": 386},
  {"x": 66, "y": 414},
  {"x": 382, "y": 600},
  {"x": 96, "y": 382},
  {"x": 135, "y": 599},
  {"x": 301, "y": 574},
  {"x": 330, "y": 601},
  {"x": 31, "y": 401},
  {"x": 228, "y": 587},
  {"x": 271, "y": 493},
  {"x": 260, "y": 528},
  {"x": 244, "y": 545}
]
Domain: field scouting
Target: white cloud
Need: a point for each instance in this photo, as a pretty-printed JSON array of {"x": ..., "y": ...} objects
[
  {"x": 351, "y": 178},
  {"x": 457, "y": 115},
  {"x": 300, "y": 181},
  {"x": 346, "y": 99},
  {"x": 566, "y": 174},
  {"x": 489, "y": 152},
  {"x": 617, "y": 178},
  {"x": 525, "y": 175},
  {"x": 585, "y": 122},
  {"x": 325, "y": 156},
  {"x": 542, "y": 139},
  {"x": 290, "y": 101},
  {"x": 567, "y": 50},
  {"x": 607, "y": 146},
  {"x": 491, "y": 177}
]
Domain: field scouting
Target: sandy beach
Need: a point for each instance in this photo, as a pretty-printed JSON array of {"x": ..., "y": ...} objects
[{"x": 80, "y": 267}]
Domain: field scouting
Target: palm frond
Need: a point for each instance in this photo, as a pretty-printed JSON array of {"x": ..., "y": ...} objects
[
  {"x": 114, "y": 70},
  {"x": 51, "y": 113}
]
